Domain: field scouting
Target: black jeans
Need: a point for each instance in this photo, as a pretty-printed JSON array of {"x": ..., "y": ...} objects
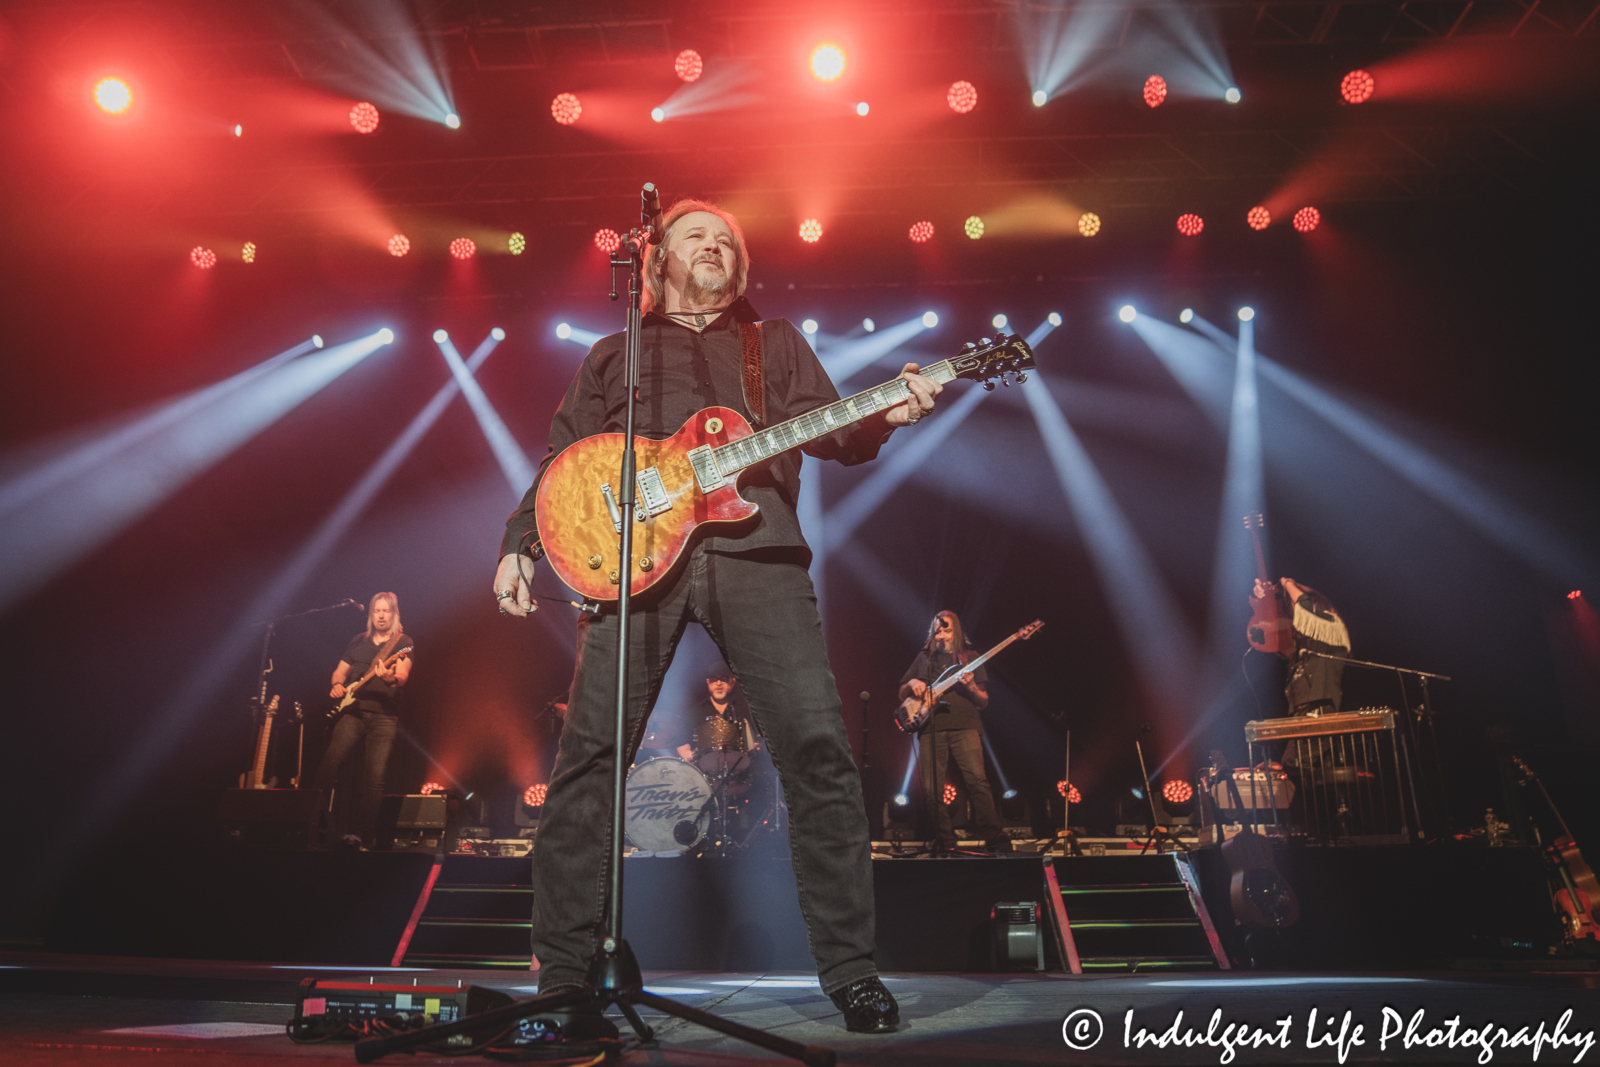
[
  {"x": 761, "y": 611},
  {"x": 937, "y": 748},
  {"x": 378, "y": 728}
]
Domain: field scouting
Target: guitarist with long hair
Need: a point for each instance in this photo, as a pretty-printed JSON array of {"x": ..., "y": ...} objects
[
  {"x": 374, "y": 716},
  {"x": 952, "y": 733}
]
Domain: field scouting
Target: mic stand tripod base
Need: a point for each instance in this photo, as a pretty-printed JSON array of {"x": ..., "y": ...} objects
[
  {"x": 1162, "y": 841},
  {"x": 613, "y": 978}
]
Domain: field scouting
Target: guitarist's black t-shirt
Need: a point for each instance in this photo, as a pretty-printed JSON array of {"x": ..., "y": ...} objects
[
  {"x": 376, "y": 695},
  {"x": 958, "y": 712}
]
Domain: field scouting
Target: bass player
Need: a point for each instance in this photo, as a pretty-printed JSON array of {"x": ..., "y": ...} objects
[
  {"x": 374, "y": 717},
  {"x": 953, "y": 731},
  {"x": 747, "y": 585}
]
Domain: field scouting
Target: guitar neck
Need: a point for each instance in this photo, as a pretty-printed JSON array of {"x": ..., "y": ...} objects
[
  {"x": 968, "y": 668},
  {"x": 764, "y": 444}
]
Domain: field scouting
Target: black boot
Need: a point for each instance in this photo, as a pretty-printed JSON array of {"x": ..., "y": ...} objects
[{"x": 868, "y": 1007}]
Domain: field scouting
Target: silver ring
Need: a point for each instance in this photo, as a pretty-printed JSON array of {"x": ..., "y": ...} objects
[
  {"x": 503, "y": 611},
  {"x": 504, "y": 594}
]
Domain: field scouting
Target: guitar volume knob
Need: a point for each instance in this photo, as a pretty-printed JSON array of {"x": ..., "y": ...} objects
[
  {"x": 616, "y": 579},
  {"x": 645, "y": 563},
  {"x": 594, "y": 563}
]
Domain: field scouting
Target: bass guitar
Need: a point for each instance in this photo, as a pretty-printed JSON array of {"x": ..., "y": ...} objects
[
  {"x": 912, "y": 714},
  {"x": 1269, "y": 629},
  {"x": 255, "y": 777},
  {"x": 691, "y": 478},
  {"x": 379, "y": 663}
]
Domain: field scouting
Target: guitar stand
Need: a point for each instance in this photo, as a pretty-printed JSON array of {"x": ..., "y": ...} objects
[{"x": 613, "y": 977}]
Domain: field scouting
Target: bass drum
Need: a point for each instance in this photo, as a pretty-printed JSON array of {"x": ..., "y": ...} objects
[{"x": 666, "y": 806}]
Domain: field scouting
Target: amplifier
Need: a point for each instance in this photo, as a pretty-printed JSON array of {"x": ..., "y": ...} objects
[
  {"x": 281, "y": 818},
  {"x": 414, "y": 822},
  {"x": 341, "y": 1009}
]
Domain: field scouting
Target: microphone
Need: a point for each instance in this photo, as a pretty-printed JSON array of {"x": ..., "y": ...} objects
[
  {"x": 865, "y": 696},
  {"x": 358, "y": 605},
  {"x": 650, "y": 211}
]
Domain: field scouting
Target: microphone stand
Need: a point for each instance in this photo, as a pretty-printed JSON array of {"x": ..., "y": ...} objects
[
  {"x": 264, "y": 667},
  {"x": 613, "y": 977}
]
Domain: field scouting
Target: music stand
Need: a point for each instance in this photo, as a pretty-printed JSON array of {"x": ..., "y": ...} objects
[{"x": 613, "y": 977}]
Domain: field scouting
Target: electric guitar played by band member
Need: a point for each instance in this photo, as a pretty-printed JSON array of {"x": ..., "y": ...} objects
[
  {"x": 373, "y": 717},
  {"x": 718, "y": 542}
]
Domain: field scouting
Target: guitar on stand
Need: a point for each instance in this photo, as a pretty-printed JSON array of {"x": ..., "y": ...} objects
[
  {"x": 1579, "y": 895},
  {"x": 379, "y": 663},
  {"x": 1269, "y": 629},
  {"x": 912, "y": 714},
  {"x": 255, "y": 777}
]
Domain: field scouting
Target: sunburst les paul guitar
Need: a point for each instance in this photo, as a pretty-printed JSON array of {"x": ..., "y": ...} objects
[
  {"x": 379, "y": 663},
  {"x": 912, "y": 714},
  {"x": 691, "y": 478}
]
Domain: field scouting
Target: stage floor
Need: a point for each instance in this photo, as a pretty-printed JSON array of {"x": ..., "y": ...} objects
[{"x": 112, "y": 1010}]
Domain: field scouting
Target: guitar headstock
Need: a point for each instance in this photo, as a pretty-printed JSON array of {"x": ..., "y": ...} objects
[
  {"x": 990, "y": 359},
  {"x": 272, "y": 706},
  {"x": 1527, "y": 771},
  {"x": 1030, "y": 629}
]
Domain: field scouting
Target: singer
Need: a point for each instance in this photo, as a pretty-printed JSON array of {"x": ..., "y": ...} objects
[{"x": 748, "y": 586}]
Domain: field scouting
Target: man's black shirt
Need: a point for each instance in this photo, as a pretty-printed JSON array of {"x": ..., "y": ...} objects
[
  {"x": 376, "y": 695},
  {"x": 681, "y": 372},
  {"x": 960, "y": 713}
]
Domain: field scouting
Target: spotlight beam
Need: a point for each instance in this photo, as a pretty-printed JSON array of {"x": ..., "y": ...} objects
[
  {"x": 387, "y": 60},
  {"x": 721, "y": 88},
  {"x": 844, "y": 359},
  {"x": 513, "y": 461},
  {"x": 90, "y": 509},
  {"x": 1144, "y": 609},
  {"x": 92, "y": 454},
  {"x": 887, "y": 474},
  {"x": 1194, "y": 364},
  {"x": 1242, "y": 494}
]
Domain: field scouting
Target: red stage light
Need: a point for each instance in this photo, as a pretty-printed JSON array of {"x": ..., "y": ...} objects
[
  {"x": 113, "y": 95},
  {"x": 607, "y": 240},
  {"x": 1155, "y": 90},
  {"x": 1258, "y": 217},
  {"x": 949, "y": 793},
  {"x": 810, "y": 231},
  {"x": 203, "y": 258},
  {"x": 1306, "y": 219},
  {"x": 1088, "y": 224},
  {"x": 1177, "y": 791},
  {"x": 566, "y": 108},
  {"x": 1357, "y": 87},
  {"x": 963, "y": 97},
  {"x": 431, "y": 787},
  {"x": 1576, "y": 594},
  {"x": 534, "y": 795},
  {"x": 922, "y": 231},
  {"x": 399, "y": 245},
  {"x": 1070, "y": 792},
  {"x": 827, "y": 62},
  {"x": 688, "y": 64},
  {"x": 1190, "y": 225},
  {"x": 463, "y": 248},
  {"x": 364, "y": 117},
  {"x": 249, "y": 251}
]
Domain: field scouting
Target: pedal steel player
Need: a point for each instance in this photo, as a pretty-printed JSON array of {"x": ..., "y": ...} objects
[
  {"x": 374, "y": 717},
  {"x": 746, "y": 584}
]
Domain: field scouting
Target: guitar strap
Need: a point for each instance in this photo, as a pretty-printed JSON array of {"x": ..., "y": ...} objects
[{"x": 752, "y": 381}]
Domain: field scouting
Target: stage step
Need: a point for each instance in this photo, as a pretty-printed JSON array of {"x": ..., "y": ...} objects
[
  {"x": 472, "y": 922},
  {"x": 1130, "y": 913}
]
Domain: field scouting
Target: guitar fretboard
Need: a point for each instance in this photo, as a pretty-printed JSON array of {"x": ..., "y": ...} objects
[{"x": 764, "y": 444}]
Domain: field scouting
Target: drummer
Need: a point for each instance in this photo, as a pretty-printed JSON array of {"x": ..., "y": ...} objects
[{"x": 723, "y": 704}]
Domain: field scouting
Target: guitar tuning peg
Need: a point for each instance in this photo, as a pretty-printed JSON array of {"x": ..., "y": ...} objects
[
  {"x": 1005, "y": 381},
  {"x": 985, "y": 342},
  {"x": 1021, "y": 377},
  {"x": 969, "y": 347},
  {"x": 988, "y": 387}
]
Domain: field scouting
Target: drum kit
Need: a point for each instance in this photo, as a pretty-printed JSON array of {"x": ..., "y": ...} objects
[{"x": 723, "y": 801}]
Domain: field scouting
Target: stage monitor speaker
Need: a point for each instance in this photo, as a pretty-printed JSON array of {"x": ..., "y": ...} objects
[
  {"x": 1017, "y": 945},
  {"x": 272, "y": 818},
  {"x": 415, "y": 822}
]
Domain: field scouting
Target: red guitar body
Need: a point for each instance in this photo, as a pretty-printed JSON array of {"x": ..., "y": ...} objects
[{"x": 1269, "y": 629}]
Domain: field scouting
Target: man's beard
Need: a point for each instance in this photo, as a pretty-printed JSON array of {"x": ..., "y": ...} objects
[{"x": 708, "y": 292}]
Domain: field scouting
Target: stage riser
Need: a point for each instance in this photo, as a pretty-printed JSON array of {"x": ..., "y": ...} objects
[{"x": 1395, "y": 907}]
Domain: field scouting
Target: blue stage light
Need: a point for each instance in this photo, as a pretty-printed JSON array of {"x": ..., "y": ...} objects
[
  {"x": 498, "y": 334},
  {"x": 901, "y": 800},
  {"x": 1246, "y": 314},
  {"x": 563, "y": 331},
  {"x": 386, "y": 336},
  {"x": 1040, "y": 98},
  {"x": 1127, "y": 314},
  {"x": 658, "y": 114},
  {"x": 453, "y": 121},
  {"x": 440, "y": 336},
  {"x": 809, "y": 326},
  {"x": 930, "y": 319},
  {"x": 316, "y": 339},
  {"x": 1232, "y": 96},
  {"x": 1186, "y": 315},
  {"x": 1009, "y": 794},
  {"x": 999, "y": 322},
  {"x": 868, "y": 325},
  {"x": 1054, "y": 318}
]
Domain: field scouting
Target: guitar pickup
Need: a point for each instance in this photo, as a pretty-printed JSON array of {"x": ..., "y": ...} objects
[
  {"x": 652, "y": 498},
  {"x": 706, "y": 471}
]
